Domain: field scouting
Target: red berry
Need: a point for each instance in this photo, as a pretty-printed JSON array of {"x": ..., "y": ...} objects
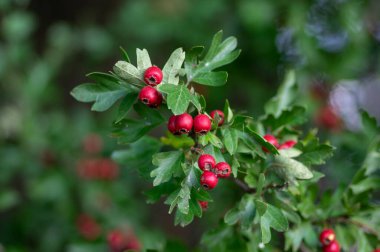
[
  {"x": 328, "y": 118},
  {"x": 92, "y": 144},
  {"x": 220, "y": 114},
  {"x": 116, "y": 240},
  {"x": 150, "y": 96},
  {"x": 171, "y": 125},
  {"x": 203, "y": 204},
  {"x": 223, "y": 170},
  {"x": 153, "y": 76},
  {"x": 206, "y": 162},
  {"x": 270, "y": 139},
  {"x": 88, "y": 227},
  {"x": 202, "y": 124},
  {"x": 183, "y": 123},
  {"x": 377, "y": 250},
  {"x": 209, "y": 180},
  {"x": 287, "y": 145},
  {"x": 332, "y": 247},
  {"x": 327, "y": 236}
]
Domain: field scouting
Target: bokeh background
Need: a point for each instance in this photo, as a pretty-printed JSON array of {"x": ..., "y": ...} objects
[{"x": 50, "y": 200}]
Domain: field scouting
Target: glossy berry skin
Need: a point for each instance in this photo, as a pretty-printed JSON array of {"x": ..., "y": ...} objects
[
  {"x": 209, "y": 180},
  {"x": 202, "y": 124},
  {"x": 203, "y": 204},
  {"x": 183, "y": 123},
  {"x": 150, "y": 96},
  {"x": 153, "y": 76},
  {"x": 206, "y": 162},
  {"x": 332, "y": 247},
  {"x": 223, "y": 170},
  {"x": 287, "y": 145},
  {"x": 327, "y": 236},
  {"x": 171, "y": 125},
  {"x": 270, "y": 139},
  {"x": 220, "y": 114}
]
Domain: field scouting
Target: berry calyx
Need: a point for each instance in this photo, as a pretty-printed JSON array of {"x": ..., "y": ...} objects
[
  {"x": 287, "y": 145},
  {"x": 223, "y": 170},
  {"x": 171, "y": 125},
  {"x": 209, "y": 180},
  {"x": 150, "y": 96},
  {"x": 183, "y": 123},
  {"x": 153, "y": 76},
  {"x": 327, "y": 236},
  {"x": 270, "y": 139},
  {"x": 220, "y": 114},
  {"x": 206, "y": 162},
  {"x": 332, "y": 247},
  {"x": 202, "y": 124},
  {"x": 203, "y": 204}
]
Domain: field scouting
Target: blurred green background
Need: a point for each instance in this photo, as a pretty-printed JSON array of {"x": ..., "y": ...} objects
[{"x": 47, "y": 47}]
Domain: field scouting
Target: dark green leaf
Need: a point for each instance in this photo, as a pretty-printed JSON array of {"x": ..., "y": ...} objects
[
  {"x": 244, "y": 213},
  {"x": 124, "y": 54},
  {"x": 125, "y": 105},
  {"x": 315, "y": 153},
  {"x": 230, "y": 140},
  {"x": 177, "y": 142},
  {"x": 261, "y": 141},
  {"x": 288, "y": 117},
  {"x": 214, "y": 79},
  {"x": 365, "y": 185}
]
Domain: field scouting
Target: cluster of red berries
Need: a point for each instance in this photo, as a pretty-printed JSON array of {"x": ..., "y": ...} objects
[
  {"x": 184, "y": 123},
  {"x": 273, "y": 140},
  {"x": 88, "y": 227},
  {"x": 119, "y": 241},
  {"x": 98, "y": 168},
  {"x": 149, "y": 94},
  {"x": 212, "y": 171},
  {"x": 328, "y": 241}
]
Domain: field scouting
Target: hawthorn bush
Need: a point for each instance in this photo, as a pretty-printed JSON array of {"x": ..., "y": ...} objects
[{"x": 271, "y": 158}]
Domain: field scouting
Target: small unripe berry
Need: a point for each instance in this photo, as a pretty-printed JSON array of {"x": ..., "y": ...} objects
[
  {"x": 287, "y": 145},
  {"x": 332, "y": 247},
  {"x": 203, "y": 204},
  {"x": 209, "y": 180},
  {"x": 202, "y": 124},
  {"x": 153, "y": 76},
  {"x": 327, "y": 236},
  {"x": 220, "y": 114},
  {"x": 150, "y": 96},
  {"x": 171, "y": 125},
  {"x": 183, "y": 123},
  {"x": 270, "y": 139},
  {"x": 206, "y": 162},
  {"x": 223, "y": 170}
]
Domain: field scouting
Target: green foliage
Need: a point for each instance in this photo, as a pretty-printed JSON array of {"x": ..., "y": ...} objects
[{"x": 278, "y": 183}]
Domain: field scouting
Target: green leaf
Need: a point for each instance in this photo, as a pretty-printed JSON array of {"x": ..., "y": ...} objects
[
  {"x": 230, "y": 140},
  {"x": 130, "y": 130},
  {"x": 8, "y": 199},
  {"x": 369, "y": 124},
  {"x": 178, "y": 97},
  {"x": 183, "y": 219},
  {"x": 260, "y": 184},
  {"x": 124, "y": 54},
  {"x": 365, "y": 185},
  {"x": 288, "y": 117},
  {"x": 177, "y": 142},
  {"x": 168, "y": 164},
  {"x": 270, "y": 216},
  {"x": 195, "y": 100},
  {"x": 290, "y": 169},
  {"x": 285, "y": 95},
  {"x": 173, "y": 66},
  {"x": 372, "y": 160},
  {"x": 138, "y": 155},
  {"x": 244, "y": 213},
  {"x": 129, "y": 73},
  {"x": 104, "y": 96},
  {"x": 211, "y": 138},
  {"x": 228, "y": 114},
  {"x": 261, "y": 141},
  {"x": 125, "y": 106},
  {"x": 143, "y": 60},
  {"x": 315, "y": 153},
  {"x": 214, "y": 79}
]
